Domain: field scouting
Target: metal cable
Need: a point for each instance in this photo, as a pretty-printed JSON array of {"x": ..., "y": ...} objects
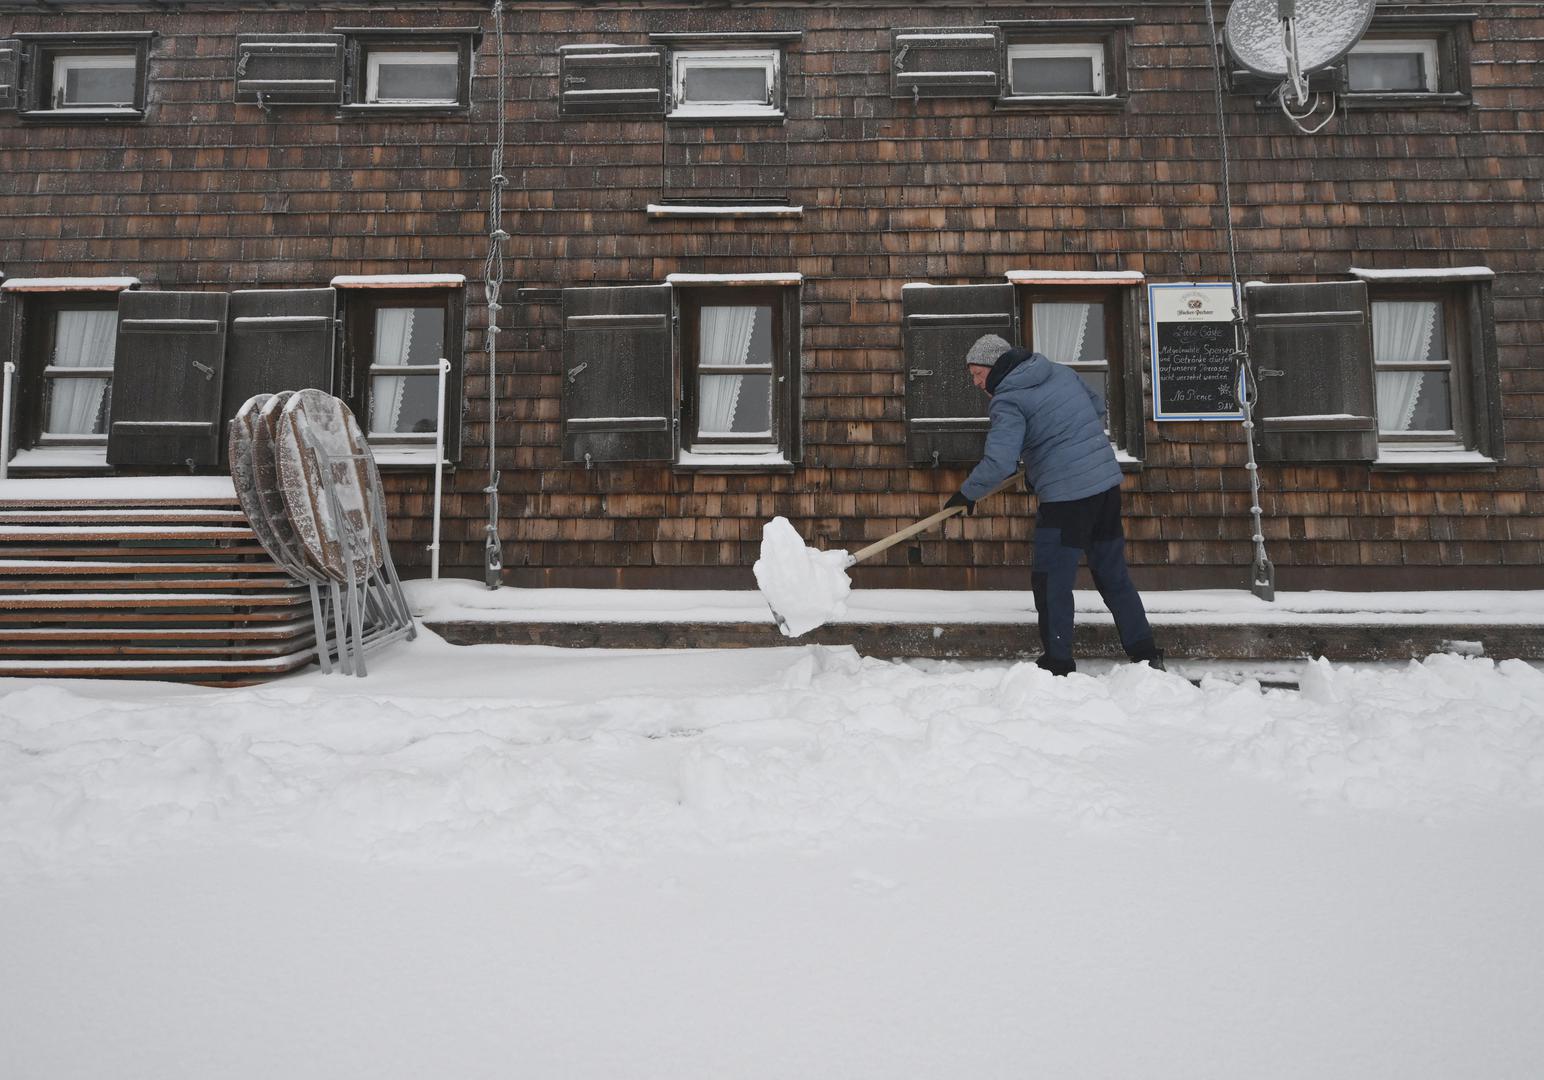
[
  {"x": 1262, "y": 577},
  {"x": 493, "y": 282}
]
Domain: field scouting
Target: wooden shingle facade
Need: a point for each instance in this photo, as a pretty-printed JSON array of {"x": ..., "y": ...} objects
[{"x": 746, "y": 244}]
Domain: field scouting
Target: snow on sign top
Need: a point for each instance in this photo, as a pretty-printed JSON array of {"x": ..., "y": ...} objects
[{"x": 1326, "y": 30}]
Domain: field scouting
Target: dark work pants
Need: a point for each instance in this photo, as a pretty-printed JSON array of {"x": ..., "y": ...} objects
[{"x": 1064, "y": 533}]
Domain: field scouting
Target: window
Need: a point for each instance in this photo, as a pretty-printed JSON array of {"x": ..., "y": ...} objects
[
  {"x": 94, "y": 81},
  {"x": 73, "y": 77},
  {"x": 733, "y": 357},
  {"x": 1065, "y": 63},
  {"x": 1040, "y": 69},
  {"x": 412, "y": 70},
  {"x": 725, "y": 82},
  {"x": 413, "y": 77},
  {"x": 396, "y": 338},
  {"x": 1088, "y": 322},
  {"x": 1073, "y": 332},
  {"x": 1414, "y": 349},
  {"x": 1411, "y": 60},
  {"x": 1398, "y": 368},
  {"x": 702, "y": 371},
  {"x": 77, "y": 376},
  {"x": 1393, "y": 66},
  {"x": 64, "y": 334}
]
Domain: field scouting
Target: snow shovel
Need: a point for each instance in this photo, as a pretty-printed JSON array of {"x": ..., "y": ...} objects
[
  {"x": 855, "y": 557},
  {"x": 919, "y": 527}
]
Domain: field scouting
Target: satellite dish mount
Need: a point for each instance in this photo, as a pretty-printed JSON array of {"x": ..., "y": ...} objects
[{"x": 1290, "y": 40}]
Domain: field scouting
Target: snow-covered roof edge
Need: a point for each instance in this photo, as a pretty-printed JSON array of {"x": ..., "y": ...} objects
[
  {"x": 396, "y": 281},
  {"x": 70, "y": 284},
  {"x": 676, "y": 210},
  {"x": 1433, "y": 273},
  {"x": 792, "y": 277},
  {"x": 1075, "y": 277}
]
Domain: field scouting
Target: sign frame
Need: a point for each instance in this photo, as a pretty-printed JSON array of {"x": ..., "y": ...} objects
[{"x": 1218, "y": 303}]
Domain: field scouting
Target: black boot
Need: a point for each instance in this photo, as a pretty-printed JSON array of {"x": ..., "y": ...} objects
[
  {"x": 1056, "y": 665},
  {"x": 1145, "y": 652}
]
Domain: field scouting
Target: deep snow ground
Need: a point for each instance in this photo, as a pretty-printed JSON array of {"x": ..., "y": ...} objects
[{"x": 496, "y": 862}]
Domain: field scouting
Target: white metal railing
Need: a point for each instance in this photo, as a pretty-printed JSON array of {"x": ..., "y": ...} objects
[
  {"x": 439, "y": 471},
  {"x": 5, "y": 420}
]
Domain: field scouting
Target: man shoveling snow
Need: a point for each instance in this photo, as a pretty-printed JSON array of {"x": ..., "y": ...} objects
[{"x": 1043, "y": 414}]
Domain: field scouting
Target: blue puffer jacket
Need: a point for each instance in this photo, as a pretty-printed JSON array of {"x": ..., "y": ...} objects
[{"x": 1043, "y": 413}]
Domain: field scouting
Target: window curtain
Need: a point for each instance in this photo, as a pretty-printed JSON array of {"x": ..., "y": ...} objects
[
  {"x": 82, "y": 339},
  {"x": 393, "y": 346},
  {"x": 1401, "y": 332},
  {"x": 726, "y": 341},
  {"x": 1059, "y": 330}
]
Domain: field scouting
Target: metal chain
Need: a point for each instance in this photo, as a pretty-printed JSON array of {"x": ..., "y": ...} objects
[
  {"x": 493, "y": 282},
  {"x": 1262, "y": 576}
]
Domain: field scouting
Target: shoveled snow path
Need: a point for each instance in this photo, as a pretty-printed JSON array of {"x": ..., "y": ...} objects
[{"x": 492, "y": 861}]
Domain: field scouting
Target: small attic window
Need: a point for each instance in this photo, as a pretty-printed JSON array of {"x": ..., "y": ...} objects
[
  {"x": 94, "y": 81},
  {"x": 408, "y": 69},
  {"x": 1404, "y": 66},
  {"x": 1048, "y": 68},
  {"x": 725, "y": 83},
  {"x": 69, "y": 78},
  {"x": 413, "y": 77}
]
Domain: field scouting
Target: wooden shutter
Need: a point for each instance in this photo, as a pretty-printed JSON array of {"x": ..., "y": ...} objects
[
  {"x": 934, "y": 62},
  {"x": 618, "y": 374},
  {"x": 279, "y": 339},
  {"x": 1311, "y": 347},
  {"x": 167, "y": 379},
  {"x": 10, "y": 73},
  {"x": 607, "y": 79},
  {"x": 945, "y": 413},
  {"x": 282, "y": 69}
]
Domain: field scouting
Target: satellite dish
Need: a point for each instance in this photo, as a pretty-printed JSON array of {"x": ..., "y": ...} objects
[{"x": 1263, "y": 34}]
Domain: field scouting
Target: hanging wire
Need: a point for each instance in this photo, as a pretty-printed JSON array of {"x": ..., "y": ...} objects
[
  {"x": 493, "y": 282},
  {"x": 1262, "y": 575}
]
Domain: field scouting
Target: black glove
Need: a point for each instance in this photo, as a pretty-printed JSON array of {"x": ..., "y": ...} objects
[{"x": 959, "y": 499}]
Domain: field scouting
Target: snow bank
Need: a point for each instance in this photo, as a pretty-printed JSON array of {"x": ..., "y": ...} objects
[
  {"x": 557, "y": 762},
  {"x": 804, "y": 586}
]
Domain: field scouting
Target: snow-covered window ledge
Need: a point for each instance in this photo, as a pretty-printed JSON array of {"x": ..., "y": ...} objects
[
  {"x": 406, "y": 457},
  {"x": 1418, "y": 275},
  {"x": 749, "y": 210},
  {"x": 1075, "y": 277},
  {"x": 399, "y": 281},
  {"x": 69, "y": 284},
  {"x": 689, "y": 462},
  {"x": 59, "y": 460},
  {"x": 792, "y": 277},
  {"x": 1432, "y": 459}
]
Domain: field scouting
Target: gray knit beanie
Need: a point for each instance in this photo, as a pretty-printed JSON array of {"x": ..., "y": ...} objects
[{"x": 987, "y": 350}]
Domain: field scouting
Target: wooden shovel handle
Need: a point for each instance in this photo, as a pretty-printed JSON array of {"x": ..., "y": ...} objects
[{"x": 922, "y": 526}]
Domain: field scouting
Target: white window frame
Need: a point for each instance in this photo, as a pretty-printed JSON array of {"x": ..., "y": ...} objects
[
  {"x": 681, "y": 61},
  {"x": 1428, "y": 48},
  {"x": 1041, "y": 50},
  {"x": 425, "y": 57},
  {"x": 64, "y": 63}
]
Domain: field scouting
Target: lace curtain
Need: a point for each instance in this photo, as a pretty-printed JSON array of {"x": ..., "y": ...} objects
[
  {"x": 726, "y": 341},
  {"x": 1059, "y": 330},
  {"x": 393, "y": 346},
  {"x": 81, "y": 339},
  {"x": 1401, "y": 332}
]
